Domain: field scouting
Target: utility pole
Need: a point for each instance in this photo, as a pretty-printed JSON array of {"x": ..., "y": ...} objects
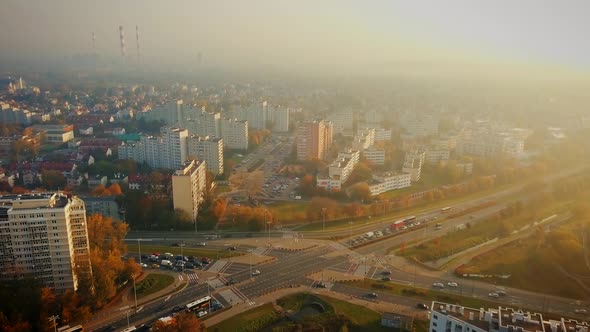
[
  {"x": 134, "y": 293},
  {"x": 350, "y": 235},
  {"x": 139, "y": 248},
  {"x": 323, "y": 219},
  {"x": 54, "y": 319}
]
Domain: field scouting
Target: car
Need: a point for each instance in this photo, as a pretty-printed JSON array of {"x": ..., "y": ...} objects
[
  {"x": 205, "y": 260},
  {"x": 177, "y": 309},
  {"x": 144, "y": 265},
  {"x": 452, "y": 284},
  {"x": 438, "y": 285},
  {"x": 386, "y": 278},
  {"x": 581, "y": 311},
  {"x": 201, "y": 244},
  {"x": 501, "y": 292},
  {"x": 201, "y": 313},
  {"x": 373, "y": 295},
  {"x": 422, "y": 306},
  {"x": 256, "y": 272},
  {"x": 493, "y": 295},
  {"x": 386, "y": 272},
  {"x": 232, "y": 248},
  {"x": 189, "y": 266}
]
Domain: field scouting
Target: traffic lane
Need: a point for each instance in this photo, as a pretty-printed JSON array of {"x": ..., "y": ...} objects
[{"x": 381, "y": 296}]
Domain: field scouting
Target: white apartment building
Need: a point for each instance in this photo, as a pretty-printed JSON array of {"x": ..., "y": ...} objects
[
  {"x": 330, "y": 184},
  {"x": 434, "y": 157},
  {"x": 188, "y": 187},
  {"x": 235, "y": 133},
  {"x": 45, "y": 236},
  {"x": 445, "y": 317},
  {"x": 281, "y": 119},
  {"x": 374, "y": 156},
  {"x": 364, "y": 139},
  {"x": 413, "y": 162},
  {"x": 342, "y": 122},
  {"x": 209, "y": 150},
  {"x": 256, "y": 115},
  {"x": 381, "y": 134},
  {"x": 204, "y": 124},
  {"x": 344, "y": 164},
  {"x": 57, "y": 134},
  {"x": 389, "y": 181},
  {"x": 419, "y": 126},
  {"x": 172, "y": 113},
  {"x": 166, "y": 151}
]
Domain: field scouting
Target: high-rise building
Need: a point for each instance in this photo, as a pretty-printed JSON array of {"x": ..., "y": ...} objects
[
  {"x": 44, "y": 236},
  {"x": 188, "y": 187},
  {"x": 256, "y": 115},
  {"x": 314, "y": 138},
  {"x": 235, "y": 133},
  {"x": 209, "y": 150},
  {"x": 172, "y": 113},
  {"x": 280, "y": 119},
  {"x": 343, "y": 122},
  {"x": 413, "y": 162}
]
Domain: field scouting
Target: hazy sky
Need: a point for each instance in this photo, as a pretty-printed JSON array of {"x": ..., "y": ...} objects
[{"x": 305, "y": 33}]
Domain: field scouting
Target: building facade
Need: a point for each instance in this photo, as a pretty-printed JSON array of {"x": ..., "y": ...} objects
[
  {"x": 209, "y": 150},
  {"x": 188, "y": 187},
  {"x": 235, "y": 134},
  {"x": 44, "y": 236},
  {"x": 389, "y": 181},
  {"x": 314, "y": 138},
  {"x": 166, "y": 151}
]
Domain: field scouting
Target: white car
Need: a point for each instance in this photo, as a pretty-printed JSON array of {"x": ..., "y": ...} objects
[
  {"x": 438, "y": 284},
  {"x": 256, "y": 272},
  {"x": 452, "y": 284},
  {"x": 494, "y": 295}
]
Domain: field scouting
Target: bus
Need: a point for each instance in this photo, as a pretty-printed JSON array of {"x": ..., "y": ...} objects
[
  {"x": 445, "y": 209},
  {"x": 398, "y": 224},
  {"x": 199, "y": 304},
  {"x": 409, "y": 219}
]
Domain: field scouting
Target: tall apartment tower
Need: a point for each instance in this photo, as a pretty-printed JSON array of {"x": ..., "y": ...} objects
[
  {"x": 235, "y": 133},
  {"x": 174, "y": 147},
  {"x": 209, "y": 150},
  {"x": 314, "y": 138},
  {"x": 188, "y": 187},
  {"x": 44, "y": 236},
  {"x": 281, "y": 119}
]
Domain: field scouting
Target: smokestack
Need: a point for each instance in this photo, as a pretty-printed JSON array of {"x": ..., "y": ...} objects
[
  {"x": 122, "y": 39},
  {"x": 137, "y": 40}
]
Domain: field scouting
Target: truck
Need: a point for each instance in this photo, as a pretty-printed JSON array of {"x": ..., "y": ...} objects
[
  {"x": 297, "y": 197},
  {"x": 166, "y": 262},
  {"x": 369, "y": 235}
]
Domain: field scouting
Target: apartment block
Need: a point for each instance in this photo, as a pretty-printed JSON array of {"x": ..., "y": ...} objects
[
  {"x": 445, "y": 317},
  {"x": 188, "y": 187},
  {"x": 387, "y": 181},
  {"x": 56, "y": 134},
  {"x": 413, "y": 162},
  {"x": 169, "y": 150},
  {"x": 44, "y": 236},
  {"x": 281, "y": 119},
  {"x": 235, "y": 133},
  {"x": 343, "y": 122},
  {"x": 314, "y": 138},
  {"x": 209, "y": 150},
  {"x": 364, "y": 139},
  {"x": 374, "y": 156}
]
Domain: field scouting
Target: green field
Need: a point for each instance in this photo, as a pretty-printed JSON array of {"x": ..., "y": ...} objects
[
  {"x": 146, "y": 249},
  {"x": 289, "y": 211},
  {"x": 237, "y": 322},
  {"x": 153, "y": 283}
]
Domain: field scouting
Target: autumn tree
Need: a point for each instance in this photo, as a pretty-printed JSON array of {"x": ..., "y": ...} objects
[
  {"x": 53, "y": 179},
  {"x": 360, "y": 192},
  {"x": 180, "y": 323}
]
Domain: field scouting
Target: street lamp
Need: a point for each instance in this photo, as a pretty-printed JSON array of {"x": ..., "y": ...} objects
[
  {"x": 268, "y": 223},
  {"x": 350, "y": 234},
  {"x": 127, "y": 313},
  {"x": 323, "y": 219},
  {"x": 250, "y": 259},
  {"x": 134, "y": 293}
]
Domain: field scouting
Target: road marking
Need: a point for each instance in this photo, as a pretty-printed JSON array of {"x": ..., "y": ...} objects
[
  {"x": 124, "y": 308},
  {"x": 168, "y": 298},
  {"x": 140, "y": 309},
  {"x": 180, "y": 278}
]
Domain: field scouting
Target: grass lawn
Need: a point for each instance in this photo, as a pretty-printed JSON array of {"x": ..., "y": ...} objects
[
  {"x": 287, "y": 212},
  {"x": 236, "y": 322},
  {"x": 154, "y": 282},
  {"x": 364, "y": 319},
  {"x": 187, "y": 251}
]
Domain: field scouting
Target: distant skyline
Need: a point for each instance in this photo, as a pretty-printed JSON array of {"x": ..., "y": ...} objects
[{"x": 304, "y": 34}]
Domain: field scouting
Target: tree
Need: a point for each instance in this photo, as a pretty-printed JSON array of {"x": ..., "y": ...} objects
[
  {"x": 360, "y": 192},
  {"x": 183, "y": 322},
  {"x": 53, "y": 179}
]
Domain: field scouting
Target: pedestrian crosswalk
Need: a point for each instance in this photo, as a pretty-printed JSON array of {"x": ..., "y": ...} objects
[
  {"x": 235, "y": 296},
  {"x": 217, "y": 266},
  {"x": 261, "y": 251},
  {"x": 193, "y": 276},
  {"x": 217, "y": 282},
  {"x": 337, "y": 246}
]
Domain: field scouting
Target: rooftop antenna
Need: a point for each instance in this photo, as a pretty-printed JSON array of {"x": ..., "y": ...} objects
[
  {"x": 122, "y": 39},
  {"x": 137, "y": 39}
]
